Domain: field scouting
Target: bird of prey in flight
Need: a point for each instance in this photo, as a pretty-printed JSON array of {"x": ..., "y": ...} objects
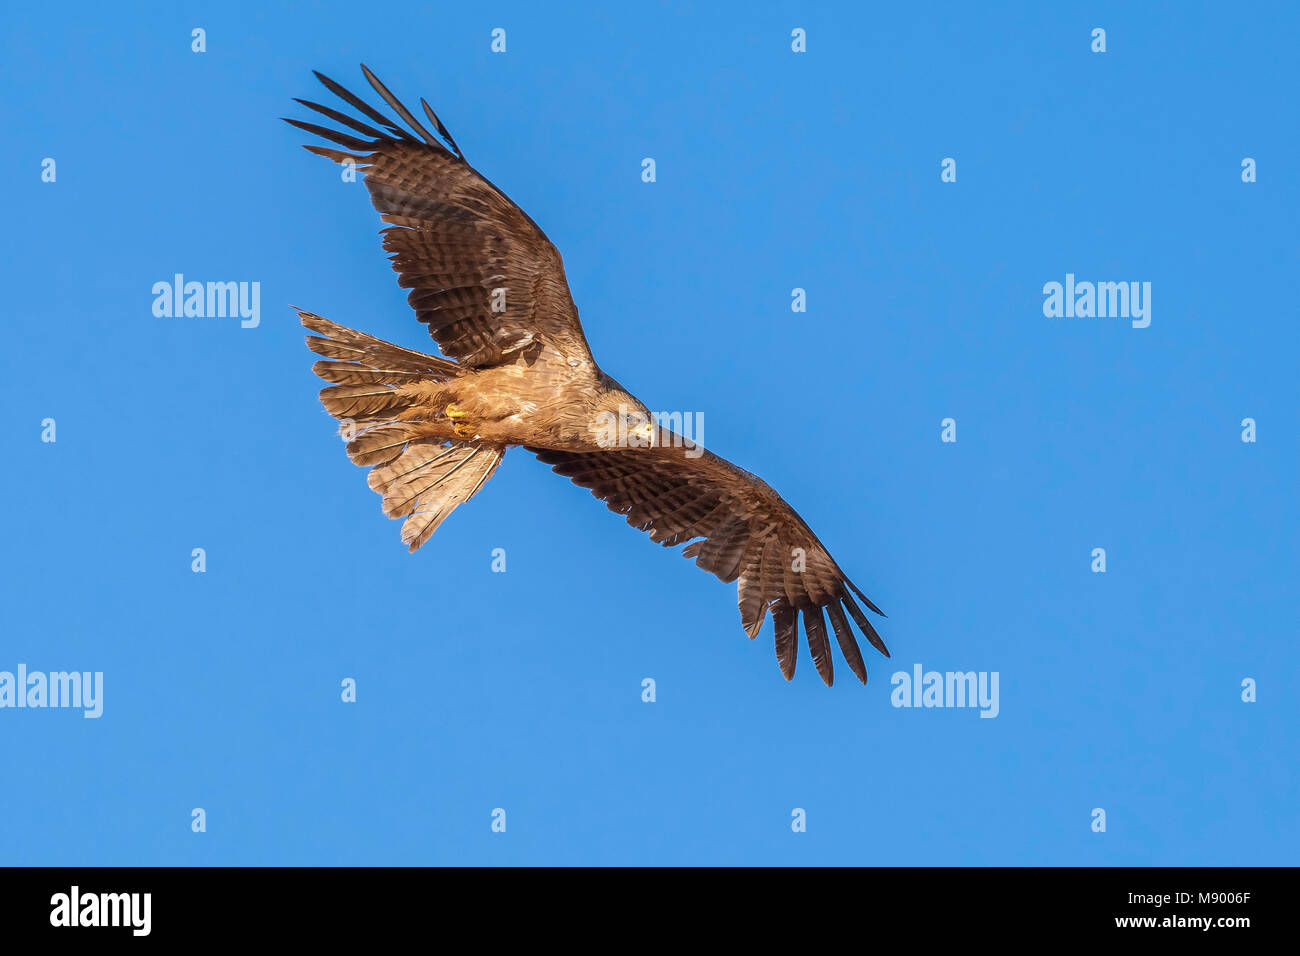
[{"x": 517, "y": 371}]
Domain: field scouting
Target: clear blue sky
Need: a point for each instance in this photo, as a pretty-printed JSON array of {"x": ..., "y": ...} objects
[{"x": 522, "y": 690}]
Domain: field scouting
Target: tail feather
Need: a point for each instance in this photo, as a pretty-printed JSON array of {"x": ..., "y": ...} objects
[
  {"x": 348, "y": 373},
  {"x": 383, "y": 443},
  {"x": 349, "y": 345},
  {"x": 422, "y": 474},
  {"x": 362, "y": 401}
]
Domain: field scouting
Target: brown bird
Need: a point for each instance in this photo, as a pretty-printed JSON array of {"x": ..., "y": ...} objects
[{"x": 491, "y": 289}]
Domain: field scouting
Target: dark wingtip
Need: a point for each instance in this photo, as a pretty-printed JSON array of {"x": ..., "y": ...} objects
[
  {"x": 819, "y": 645},
  {"x": 866, "y": 600},
  {"x": 848, "y": 644},
  {"x": 786, "y": 638},
  {"x": 332, "y": 135},
  {"x": 865, "y": 625},
  {"x": 359, "y": 104},
  {"x": 442, "y": 130},
  {"x": 400, "y": 109}
]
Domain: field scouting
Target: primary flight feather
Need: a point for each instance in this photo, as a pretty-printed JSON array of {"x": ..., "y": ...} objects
[{"x": 491, "y": 289}]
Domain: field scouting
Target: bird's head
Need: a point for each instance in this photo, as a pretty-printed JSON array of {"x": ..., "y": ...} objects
[{"x": 621, "y": 421}]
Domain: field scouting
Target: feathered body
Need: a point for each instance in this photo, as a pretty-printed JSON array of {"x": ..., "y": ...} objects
[{"x": 491, "y": 289}]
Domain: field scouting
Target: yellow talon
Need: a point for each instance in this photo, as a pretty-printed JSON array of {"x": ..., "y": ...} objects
[{"x": 462, "y": 428}]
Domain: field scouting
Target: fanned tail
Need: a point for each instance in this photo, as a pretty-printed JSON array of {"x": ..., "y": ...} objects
[{"x": 421, "y": 473}]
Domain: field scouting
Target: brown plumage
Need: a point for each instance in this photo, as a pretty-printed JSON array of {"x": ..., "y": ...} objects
[{"x": 491, "y": 289}]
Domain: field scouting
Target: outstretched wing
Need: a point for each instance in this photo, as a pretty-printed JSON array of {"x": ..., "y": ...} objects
[
  {"x": 739, "y": 529},
  {"x": 483, "y": 276}
]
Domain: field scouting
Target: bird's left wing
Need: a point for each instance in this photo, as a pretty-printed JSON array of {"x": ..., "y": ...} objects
[
  {"x": 483, "y": 276},
  {"x": 739, "y": 529}
]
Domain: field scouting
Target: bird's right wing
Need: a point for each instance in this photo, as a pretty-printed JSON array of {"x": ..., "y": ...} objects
[
  {"x": 483, "y": 276},
  {"x": 739, "y": 528}
]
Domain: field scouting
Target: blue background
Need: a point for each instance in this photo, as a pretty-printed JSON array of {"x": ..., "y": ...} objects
[{"x": 522, "y": 690}]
